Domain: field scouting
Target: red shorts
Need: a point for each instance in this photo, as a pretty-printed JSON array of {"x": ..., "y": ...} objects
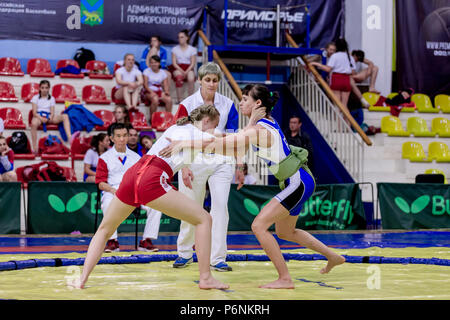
[
  {"x": 179, "y": 80},
  {"x": 183, "y": 66},
  {"x": 147, "y": 180},
  {"x": 340, "y": 82}
]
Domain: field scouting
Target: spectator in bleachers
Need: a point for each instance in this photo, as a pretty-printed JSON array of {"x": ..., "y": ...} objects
[
  {"x": 184, "y": 57},
  {"x": 242, "y": 177},
  {"x": 146, "y": 142},
  {"x": 7, "y": 173},
  {"x": 362, "y": 74},
  {"x": 341, "y": 66},
  {"x": 99, "y": 144},
  {"x": 129, "y": 81},
  {"x": 327, "y": 52},
  {"x": 133, "y": 142},
  {"x": 153, "y": 49},
  {"x": 157, "y": 86},
  {"x": 43, "y": 106},
  {"x": 120, "y": 116},
  {"x": 297, "y": 137},
  {"x": 2, "y": 127}
]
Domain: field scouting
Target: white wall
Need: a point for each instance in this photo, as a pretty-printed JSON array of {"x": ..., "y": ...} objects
[
  {"x": 377, "y": 33},
  {"x": 369, "y": 27}
]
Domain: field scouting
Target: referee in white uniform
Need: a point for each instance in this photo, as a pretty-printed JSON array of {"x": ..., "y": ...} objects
[{"x": 215, "y": 169}]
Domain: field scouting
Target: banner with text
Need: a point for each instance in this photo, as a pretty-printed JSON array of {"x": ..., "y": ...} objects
[
  {"x": 423, "y": 45},
  {"x": 414, "y": 206},
  {"x": 331, "y": 207},
  {"x": 254, "y": 22},
  {"x": 10, "y": 193},
  {"x": 61, "y": 207},
  {"x": 128, "y": 21}
]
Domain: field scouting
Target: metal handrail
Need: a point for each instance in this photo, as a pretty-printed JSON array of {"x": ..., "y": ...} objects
[
  {"x": 231, "y": 89},
  {"x": 330, "y": 94},
  {"x": 326, "y": 112}
]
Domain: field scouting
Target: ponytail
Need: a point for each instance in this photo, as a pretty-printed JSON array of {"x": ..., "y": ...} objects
[{"x": 183, "y": 121}]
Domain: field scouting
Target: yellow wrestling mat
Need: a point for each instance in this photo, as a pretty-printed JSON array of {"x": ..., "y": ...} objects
[{"x": 159, "y": 281}]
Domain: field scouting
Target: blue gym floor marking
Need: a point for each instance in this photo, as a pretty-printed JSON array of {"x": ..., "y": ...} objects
[{"x": 320, "y": 283}]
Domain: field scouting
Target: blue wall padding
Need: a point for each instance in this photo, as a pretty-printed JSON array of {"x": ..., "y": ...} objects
[
  {"x": 237, "y": 257},
  {"x": 255, "y": 257},
  {"x": 72, "y": 262},
  {"x": 107, "y": 260},
  {"x": 298, "y": 256},
  {"x": 56, "y": 262},
  {"x": 353, "y": 259},
  {"x": 25, "y": 264},
  {"x": 375, "y": 259},
  {"x": 7, "y": 266},
  {"x": 45, "y": 262}
]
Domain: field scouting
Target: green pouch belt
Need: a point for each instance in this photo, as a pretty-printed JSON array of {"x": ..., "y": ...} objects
[{"x": 290, "y": 165}]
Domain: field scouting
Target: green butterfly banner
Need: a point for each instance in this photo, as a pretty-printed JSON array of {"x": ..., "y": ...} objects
[
  {"x": 414, "y": 206},
  {"x": 61, "y": 207},
  {"x": 331, "y": 207},
  {"x": 10, "y": 207}
]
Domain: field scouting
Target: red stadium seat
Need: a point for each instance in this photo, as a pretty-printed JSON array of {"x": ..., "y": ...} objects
[
  {"x": 79, "y": 147},
  {"x": 162, "y": 120},
  {"x": 23, "y": 156},
  {"x": 10, "y": 67},
  {"x": 64, "y": 92},
  {"x": 138, "y": 121},
  {"x": 12, "y": 118},
  {"x": 94, "y": 67},
  {"x": 116, "y": 101},
  {"x": 7, "y": 92},
  {"x": 66, "y": 62},
  {"x": 70, "y": 174},
  {"x": 93, "y": 94},
  {"x": 107, "y": 117},
  {"x": 39, "y": 67},
  {"x": 116, "y": 66},
  {"x": 49, "y": 125},
  {"x": 51, "y": 156},
  {"x": 29, "y": 90}
]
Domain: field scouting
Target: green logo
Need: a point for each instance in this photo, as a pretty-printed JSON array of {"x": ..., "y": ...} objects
[
  {"x": 91, "y": 12},
  {"x": 74, "y": 204},
  {"x": 417, "y": 206},
  {"x": 252, "y": 207},
  {"x": 439, "y": 205}
]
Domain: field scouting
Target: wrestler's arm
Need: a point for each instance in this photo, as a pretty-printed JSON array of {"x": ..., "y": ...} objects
[{"x": 235, "y": 144}]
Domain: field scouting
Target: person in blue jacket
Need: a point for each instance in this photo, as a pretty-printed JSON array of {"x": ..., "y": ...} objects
[{"x": 154, "y": 48}]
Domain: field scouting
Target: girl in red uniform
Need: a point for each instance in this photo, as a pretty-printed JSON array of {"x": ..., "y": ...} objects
[{"x": 148, "y": 183}]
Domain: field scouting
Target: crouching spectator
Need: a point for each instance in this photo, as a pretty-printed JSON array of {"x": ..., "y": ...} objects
[{"x": 7, "y": 173}]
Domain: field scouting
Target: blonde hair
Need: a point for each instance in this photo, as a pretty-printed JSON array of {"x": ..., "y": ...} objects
[{"x": 198, "y": 114}]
